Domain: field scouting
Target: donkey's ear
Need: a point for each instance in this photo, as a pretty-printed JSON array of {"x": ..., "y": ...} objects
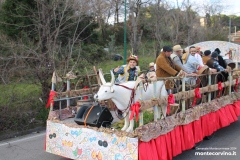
[
  {"x": 101, "y": 76},
  {"x": 112, "y": 78}
]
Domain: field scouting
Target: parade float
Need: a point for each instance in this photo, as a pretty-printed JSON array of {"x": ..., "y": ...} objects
[{"x": 181, "y": 119}]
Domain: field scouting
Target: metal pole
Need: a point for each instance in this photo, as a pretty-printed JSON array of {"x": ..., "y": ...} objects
[
  {"x": 229, "y": 29},
  {"x": 183, "y": 101},
  {"x": 230, "y": 83},
  {"x": 209, "y": 83},
  {"x": 68, "y": 89},
  {"x": 141, "y": 113},
  {"x": 155, "y": 108},
  {"x": 125, "y": 33},
  {"x": 51, "y": 105}
]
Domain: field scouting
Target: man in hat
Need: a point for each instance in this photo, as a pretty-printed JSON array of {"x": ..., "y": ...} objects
[
  {"x": 165, "y": 66},
  {"x": 176, "y": 57},
  {"x": 128, "y": 72}
]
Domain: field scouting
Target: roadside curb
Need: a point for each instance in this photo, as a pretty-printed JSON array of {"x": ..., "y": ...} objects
[{"x": 17, "y": 134}]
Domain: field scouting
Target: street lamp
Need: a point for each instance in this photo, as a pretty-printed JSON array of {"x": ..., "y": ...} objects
[{"x": 125, "y": 33}]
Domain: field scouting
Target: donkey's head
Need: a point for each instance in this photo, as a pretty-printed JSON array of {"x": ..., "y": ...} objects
[{"x": 106, "y": 90}]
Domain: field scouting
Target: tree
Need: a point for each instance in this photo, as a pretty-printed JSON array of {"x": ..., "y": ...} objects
[
  {"x": 214, "y": 28},
  {"x": 158, "y": 23},
  {"x": 45, "y": 29},
  {"x": 135, "y": 32}
]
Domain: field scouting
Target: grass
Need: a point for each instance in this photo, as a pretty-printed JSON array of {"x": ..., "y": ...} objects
[
  {"x": 20, "y": 107},
  {"x": 147, "y": 53},
  {"x": 17, "y": 94}
]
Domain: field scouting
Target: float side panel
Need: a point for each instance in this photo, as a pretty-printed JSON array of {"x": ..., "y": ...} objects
[{"x": 82, "y": 143}]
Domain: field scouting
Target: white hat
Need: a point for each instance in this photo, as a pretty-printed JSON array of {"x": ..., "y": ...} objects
[
  {"x": 151, "y": 64},
  {"x": 177, "y": 48}
]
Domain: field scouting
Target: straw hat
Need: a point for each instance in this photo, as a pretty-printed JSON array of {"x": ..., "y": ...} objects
[
  {"x": 132, "y": 57},
  {"x": 177, "y": 48},
  {"x": 151, "y": 64}
]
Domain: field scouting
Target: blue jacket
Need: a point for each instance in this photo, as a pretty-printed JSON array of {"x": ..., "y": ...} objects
[{"x": 125, "y": 73}]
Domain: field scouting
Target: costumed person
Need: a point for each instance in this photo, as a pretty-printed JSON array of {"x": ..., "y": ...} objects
[
  {"x": 127, "y": 72},
  {"x": 166, "y": 68},
  {"x": 229, "y": 54}
]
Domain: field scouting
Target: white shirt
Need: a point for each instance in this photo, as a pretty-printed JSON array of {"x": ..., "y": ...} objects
[
  {"x": 191, "y": 65},
  {"x": 199, "y": 58}
]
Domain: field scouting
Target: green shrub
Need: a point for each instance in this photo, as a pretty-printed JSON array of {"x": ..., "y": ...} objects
[{"x": 20, "y": 106}]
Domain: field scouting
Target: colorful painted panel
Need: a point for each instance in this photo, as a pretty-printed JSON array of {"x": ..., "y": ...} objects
[
  {"x": 87, "y": 144},
  {"x": 223, "y": 46}
]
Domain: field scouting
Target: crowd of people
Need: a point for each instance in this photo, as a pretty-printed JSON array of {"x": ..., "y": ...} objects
[{"x": 175, "y": 61}]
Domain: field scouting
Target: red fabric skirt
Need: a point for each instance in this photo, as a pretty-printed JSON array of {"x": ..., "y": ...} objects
[
  {"x": 188, "y": 136},
  {"x": 204, "y": 124},
  {"x": 184, "y": 137},
  {"x": 223, "y": 120},
  {"x": 237, "y": 108},
  {"x": 176, "y": 141},
  {"x": 161, "y": 147},
  {"x": 197, "y": 131}
]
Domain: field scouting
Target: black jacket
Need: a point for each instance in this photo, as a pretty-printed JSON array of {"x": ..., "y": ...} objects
[{"x": 221, "y": 62}]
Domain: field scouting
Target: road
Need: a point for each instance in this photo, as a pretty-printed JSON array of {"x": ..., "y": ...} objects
[{"x": 31, "y": 147}]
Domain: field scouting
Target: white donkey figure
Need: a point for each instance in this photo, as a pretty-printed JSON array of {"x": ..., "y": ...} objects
[{"x": 121, "y": 94}]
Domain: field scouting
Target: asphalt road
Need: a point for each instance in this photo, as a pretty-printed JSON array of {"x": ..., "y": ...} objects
[{"x": 31, "y": 147}]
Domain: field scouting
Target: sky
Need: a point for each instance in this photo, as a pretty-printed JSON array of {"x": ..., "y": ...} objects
[
  {"x": 234, "y": 6},
  {"x": 229, "y": 6}
]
